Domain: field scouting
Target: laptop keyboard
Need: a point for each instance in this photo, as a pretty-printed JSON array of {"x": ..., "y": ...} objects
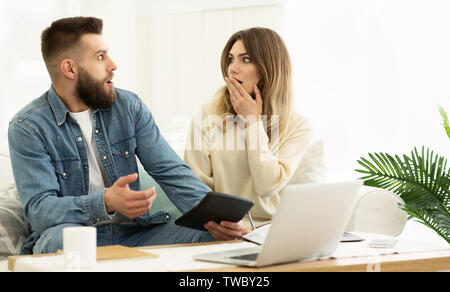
[{"x": 247, "y": 257}]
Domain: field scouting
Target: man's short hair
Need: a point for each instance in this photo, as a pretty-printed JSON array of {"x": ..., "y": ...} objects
[{"x": 65, "y": 34}]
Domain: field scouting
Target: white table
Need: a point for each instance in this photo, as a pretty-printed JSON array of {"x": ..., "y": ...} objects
[{"x": 347, "y": 256}]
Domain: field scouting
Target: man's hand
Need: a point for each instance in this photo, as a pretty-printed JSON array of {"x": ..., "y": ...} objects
[{"x": 132, "y": 204}]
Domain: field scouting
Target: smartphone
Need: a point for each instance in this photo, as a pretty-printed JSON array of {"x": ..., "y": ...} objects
[{"x": 382, "y": 243}]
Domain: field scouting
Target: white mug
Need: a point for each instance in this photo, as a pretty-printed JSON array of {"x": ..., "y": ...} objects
[{"x": 80, "y": 247}]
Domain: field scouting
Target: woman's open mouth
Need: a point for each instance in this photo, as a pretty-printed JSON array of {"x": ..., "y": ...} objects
[{"x": 240, "y": 82}]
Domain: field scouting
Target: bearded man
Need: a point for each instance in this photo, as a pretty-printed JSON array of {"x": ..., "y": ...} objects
[{"x": 73, "y": 152}]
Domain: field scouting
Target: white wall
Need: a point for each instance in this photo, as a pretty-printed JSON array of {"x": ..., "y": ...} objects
[
  {"x": 22, "y": 72},
  {"x": 167, "y": 51},
  {"x": 119, "y": 30},
  {"x": 23, "y": 76},
  {"x": 368, "y": 72},
  {"x": 180, "y": 48}
]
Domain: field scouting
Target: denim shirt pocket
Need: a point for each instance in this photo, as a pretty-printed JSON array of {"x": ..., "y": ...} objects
[
  {"x": 70, "y": 176},
  {"x": 148, "y": 219},
  {"x": 124, "y": 153}
]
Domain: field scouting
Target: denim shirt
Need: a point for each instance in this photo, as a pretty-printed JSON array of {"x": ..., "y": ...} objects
[{"x": 50, "y": 164}]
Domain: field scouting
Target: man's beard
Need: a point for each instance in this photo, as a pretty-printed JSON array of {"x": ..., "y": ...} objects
[{"x": 93, "y": 92}]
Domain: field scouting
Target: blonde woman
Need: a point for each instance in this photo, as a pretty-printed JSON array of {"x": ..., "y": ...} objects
[{"x": 248, "y": 141}]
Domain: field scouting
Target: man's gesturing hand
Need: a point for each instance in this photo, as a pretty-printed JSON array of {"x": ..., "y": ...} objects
[{"x": 130, "y": 203}]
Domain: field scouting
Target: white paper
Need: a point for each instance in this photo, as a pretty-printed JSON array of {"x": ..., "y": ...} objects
[{"x": 258, "y": 235}]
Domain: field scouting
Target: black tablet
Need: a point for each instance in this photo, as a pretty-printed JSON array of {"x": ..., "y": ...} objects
[{"x": 215, "y": 207}]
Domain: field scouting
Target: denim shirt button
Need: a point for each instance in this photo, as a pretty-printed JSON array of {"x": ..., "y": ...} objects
[
  {"x": 105, "y": 157},
  {"x": 167, "y": 217},
  {"x": 127, "y": 153},
  {"x": 64, "y": 175},
  {"x": 97, "y": 131},
  {"x": 80, "y": 139}
]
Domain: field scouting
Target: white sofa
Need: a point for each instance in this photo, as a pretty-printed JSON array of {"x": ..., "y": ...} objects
[{"x": 376, "y": 210}]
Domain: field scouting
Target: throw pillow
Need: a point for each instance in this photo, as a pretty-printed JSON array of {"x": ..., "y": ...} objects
[
  {"x": 6, "y": 175},
  {"x": 162, "y": 202},
  {"x": 14, "y": 230},
  {"x": 312, "y": 166}
]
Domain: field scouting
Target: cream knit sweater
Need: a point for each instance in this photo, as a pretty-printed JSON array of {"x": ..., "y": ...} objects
[{"x": 240, "y": 161}]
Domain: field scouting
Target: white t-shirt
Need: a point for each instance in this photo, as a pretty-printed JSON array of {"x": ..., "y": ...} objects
[
  {"x": 97, "y": 176},
  {"x": 98, "y": 180}
]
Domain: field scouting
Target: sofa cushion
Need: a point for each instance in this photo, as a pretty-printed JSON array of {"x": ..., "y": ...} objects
[
  {"x": 6, "y": 175},
  {"x": 162, "y": 202},
  {"x": 13, "y": 228},
  {"x": 312, "y": 166}
]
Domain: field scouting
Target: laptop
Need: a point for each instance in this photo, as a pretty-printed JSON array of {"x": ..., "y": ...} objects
[{"x": 309, "y": 223}]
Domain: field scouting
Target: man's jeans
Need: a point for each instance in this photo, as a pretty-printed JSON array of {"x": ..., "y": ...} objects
[{"x": 51, "y": 239}]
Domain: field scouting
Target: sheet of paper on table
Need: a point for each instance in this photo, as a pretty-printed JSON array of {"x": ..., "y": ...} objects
[{"x": 259, "y": 235}]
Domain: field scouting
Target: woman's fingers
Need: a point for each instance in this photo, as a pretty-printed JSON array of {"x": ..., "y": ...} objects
[
  {"x": 234, "y": 92},
  {"x": 219, "y": 236},
  {"x": 220, "y": 232},
  {"x": 216, "y": 234},
  {"x": 240, "y": 89},
  {"x": 258, "y": 97},
  {"x": 238, "y": 226},
  {"x": 243, "y": 102}
]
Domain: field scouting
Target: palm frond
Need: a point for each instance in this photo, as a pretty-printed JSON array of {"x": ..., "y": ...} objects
[
  {"x": 422, "y": 180},
  {"x": 446, "y": 123},
  {"x": 423, "y": 175},
  {"x": 434, "y": 219}
]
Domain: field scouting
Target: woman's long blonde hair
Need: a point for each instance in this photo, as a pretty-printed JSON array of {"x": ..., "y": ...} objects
[{"x": 270, "y": 55}]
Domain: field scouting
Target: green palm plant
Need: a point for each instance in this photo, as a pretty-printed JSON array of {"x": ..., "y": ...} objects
[
  {"x": 445, "y": 124},
  {"x": 422, "y": 180}
]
